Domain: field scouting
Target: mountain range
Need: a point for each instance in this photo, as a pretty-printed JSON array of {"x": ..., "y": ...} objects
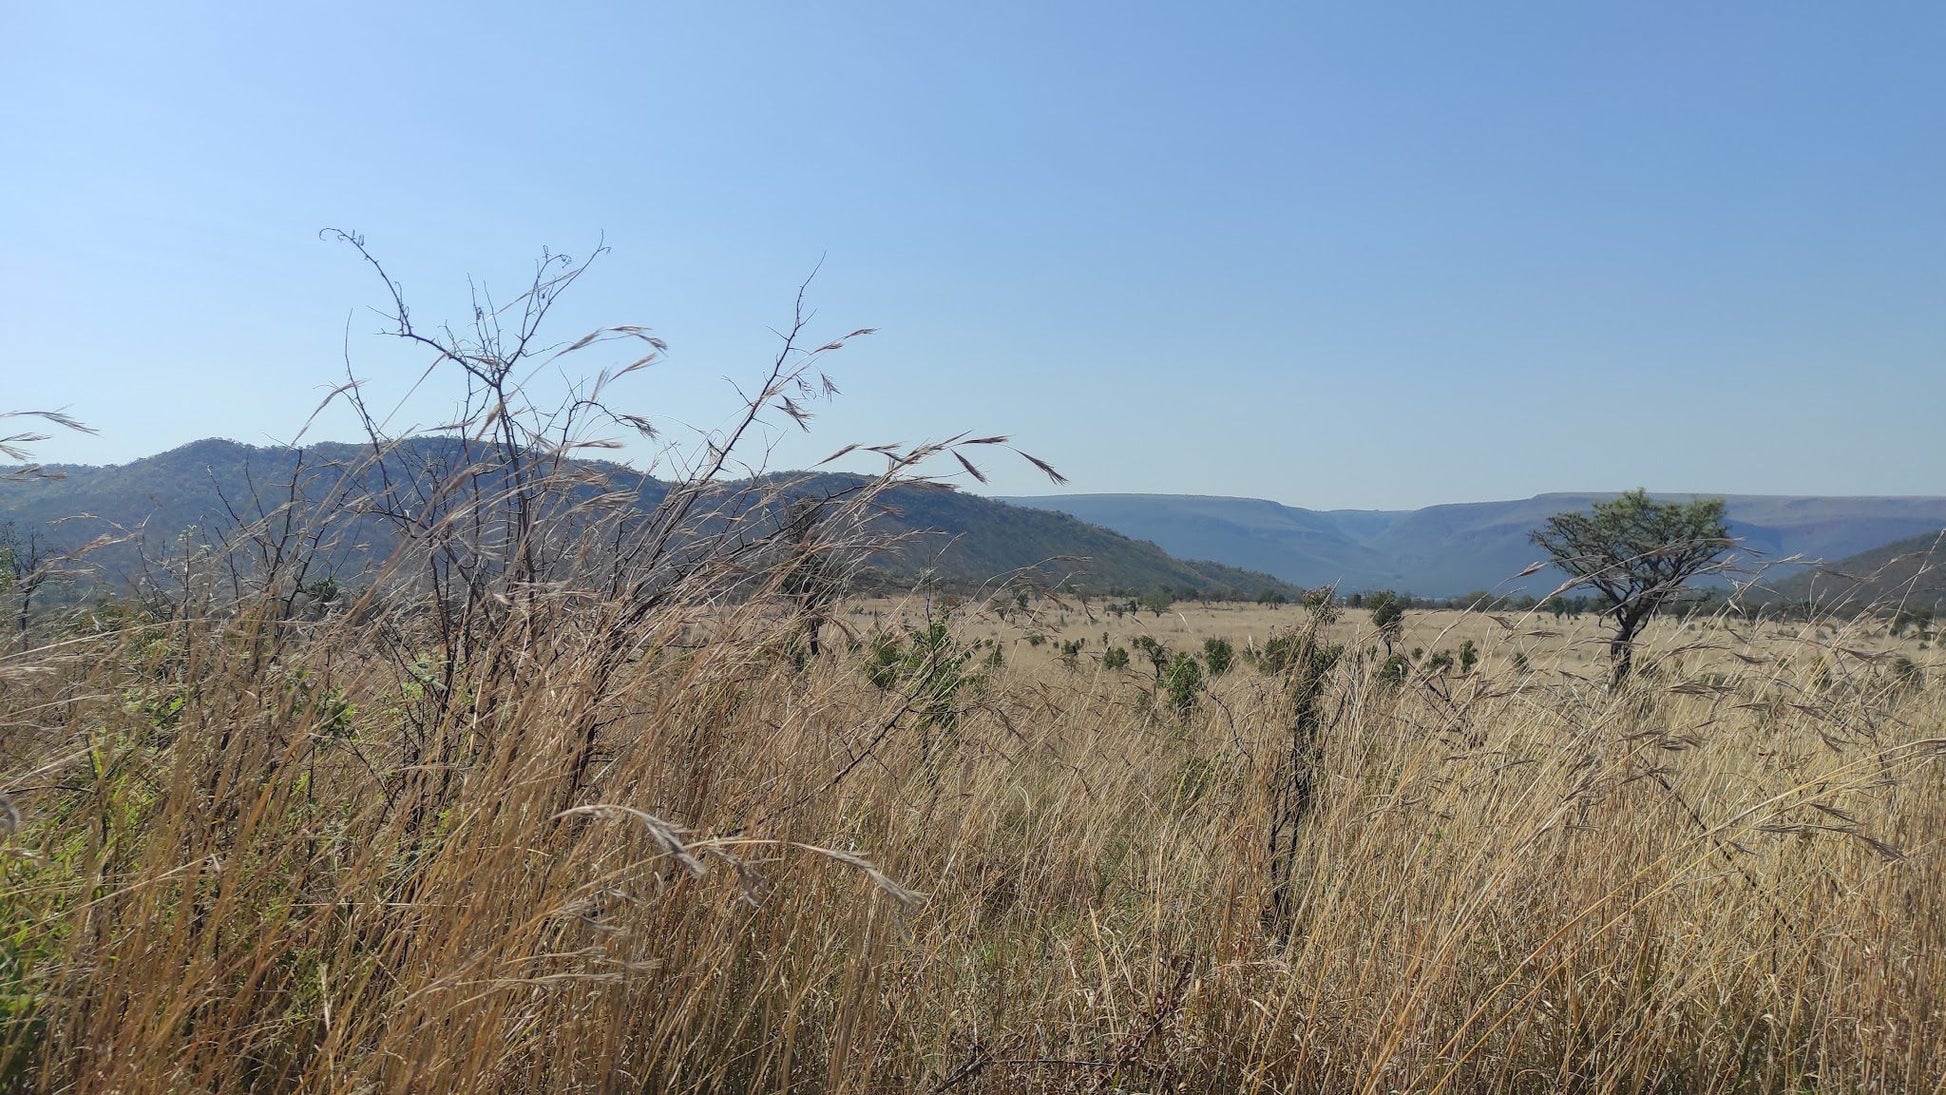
[
  {"x": 1193, "y": 545},
  {"x": 1449, "y": 550},
  {"x": 956, "y": 539}
]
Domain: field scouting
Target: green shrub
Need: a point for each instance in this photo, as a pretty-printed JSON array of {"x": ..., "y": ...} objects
[
  {"x": 1219, "y": 656},
  {"x": 1157, "y": 653},
  {"x": 928, "y": 664},
  {"x": 1182, "y": 683}
]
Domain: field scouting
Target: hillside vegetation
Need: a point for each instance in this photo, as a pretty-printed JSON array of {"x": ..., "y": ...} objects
[
  {"x": 1905, "y": 574},
  {"x": 957, "y": 540}
]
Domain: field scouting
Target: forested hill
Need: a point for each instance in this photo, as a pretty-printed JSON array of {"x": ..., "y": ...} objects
[
  {"x": 1908, "y": 573},
  {"x": 963, "y": 541}
]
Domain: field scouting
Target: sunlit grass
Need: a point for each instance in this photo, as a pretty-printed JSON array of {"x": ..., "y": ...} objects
[{"x": 228, "y": 878}]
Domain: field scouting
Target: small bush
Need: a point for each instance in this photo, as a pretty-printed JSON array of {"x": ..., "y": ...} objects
[
  {"x": 1182, "y": 683},
  {"x": 1218, "y": 655}
]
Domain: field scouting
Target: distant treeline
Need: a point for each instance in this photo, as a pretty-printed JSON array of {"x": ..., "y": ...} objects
[{"x": 1750, "y": 605}]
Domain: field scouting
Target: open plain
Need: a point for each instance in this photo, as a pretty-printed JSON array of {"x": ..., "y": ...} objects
[{"x": 908, "y": 864}]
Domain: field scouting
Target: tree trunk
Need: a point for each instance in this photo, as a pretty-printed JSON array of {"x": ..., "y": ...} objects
[{"x": 1621, "y": 651}]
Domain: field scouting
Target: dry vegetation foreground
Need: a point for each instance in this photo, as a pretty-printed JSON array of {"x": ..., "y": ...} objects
[{"x": 250, "y": 859}]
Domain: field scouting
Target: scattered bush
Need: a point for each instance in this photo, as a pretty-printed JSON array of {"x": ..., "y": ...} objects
[
  {"x": 1182, "y": 683},
  {"x": 1218, "y": 655},
  {"x": 927, "y": 665}
]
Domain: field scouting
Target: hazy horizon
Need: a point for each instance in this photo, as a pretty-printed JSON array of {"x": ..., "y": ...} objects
[
  {"x": 963, "y": 483},
  {"x": 1336, "y": 259}
]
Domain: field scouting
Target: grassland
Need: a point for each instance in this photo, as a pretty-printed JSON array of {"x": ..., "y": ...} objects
[
  {"x": 262, "y": 855},
  {"x": 1569, "y": 648}
]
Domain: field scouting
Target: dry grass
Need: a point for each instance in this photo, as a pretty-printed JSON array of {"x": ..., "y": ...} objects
[
  {"x": 227, "y": 877},
  {"x": 560, "y": 801},
  {"x": 1568, "y": 647}
]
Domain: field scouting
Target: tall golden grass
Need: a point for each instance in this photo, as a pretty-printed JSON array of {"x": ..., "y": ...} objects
[
  {"x": 561, "y": 798},
  {"x": 227, "y": 877}
]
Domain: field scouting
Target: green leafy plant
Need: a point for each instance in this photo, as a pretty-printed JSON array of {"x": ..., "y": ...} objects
[
  {"x": 1388, "y": 616},
  {"x": 1218, "y": 655},
  {"x": 928, "y": 664},
  {"x": 1070, "y": 652},
  {"x": 1182, "y": 683},
  {"x": 1157, "y": 653}
]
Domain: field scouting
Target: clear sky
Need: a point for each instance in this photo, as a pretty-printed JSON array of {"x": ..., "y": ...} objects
[{"x": 1348, "y": 255}]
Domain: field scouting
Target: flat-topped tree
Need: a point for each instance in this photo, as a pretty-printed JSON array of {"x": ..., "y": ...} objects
[{"x": 1638, "y": 553}]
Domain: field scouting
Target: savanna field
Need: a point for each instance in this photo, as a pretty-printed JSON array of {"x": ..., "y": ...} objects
[
  {"x": 950, "y": 549},
  {"x": 274, "y": 849}
]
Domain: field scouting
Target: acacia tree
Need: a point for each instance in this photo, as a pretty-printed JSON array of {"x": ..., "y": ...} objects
[
  {"x": 1638, "y": 554},
  {"x": 1388, "y": 616}
]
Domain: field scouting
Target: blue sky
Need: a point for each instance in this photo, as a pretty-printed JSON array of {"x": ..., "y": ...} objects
[{"x": 1373, "y": 255}]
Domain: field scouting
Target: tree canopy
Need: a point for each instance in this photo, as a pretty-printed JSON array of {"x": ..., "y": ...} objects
[{"x": 1637, "y": 553}]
